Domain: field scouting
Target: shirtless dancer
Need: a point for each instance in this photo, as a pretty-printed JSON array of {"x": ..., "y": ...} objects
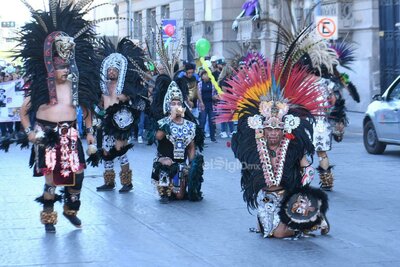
[
  {"x": 118, "y": 87},
  {"x": 61, "y": 78}
]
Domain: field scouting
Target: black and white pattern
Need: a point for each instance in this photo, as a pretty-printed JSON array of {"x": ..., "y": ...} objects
[
  {"x": 119, "y": 62},
  {"x": 322, "y": 139},
  {"x": 267, "y": 212},
  {"x": 180, "y": 135},
  {"x": 123, "y": 118}
]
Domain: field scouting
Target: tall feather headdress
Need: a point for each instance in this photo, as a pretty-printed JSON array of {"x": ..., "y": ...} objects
[
  {"x": 61, "y": 31},
  {"x": 124, "y": 58}
]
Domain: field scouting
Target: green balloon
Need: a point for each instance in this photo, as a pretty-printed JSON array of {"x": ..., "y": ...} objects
[
  {"x": 202, "y": 47},
  {"x": 151, "y": 66}
]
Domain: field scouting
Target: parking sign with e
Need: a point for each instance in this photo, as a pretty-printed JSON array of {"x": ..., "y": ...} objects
[{"x": 327, "y": 27}]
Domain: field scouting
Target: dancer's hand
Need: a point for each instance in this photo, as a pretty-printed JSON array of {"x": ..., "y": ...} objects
[
  {"x": 32, "y": 137},
  {"x": 90, "y": 138}
]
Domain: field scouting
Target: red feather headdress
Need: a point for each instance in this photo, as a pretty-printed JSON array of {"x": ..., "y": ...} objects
[{"x": 251, "y": 87}]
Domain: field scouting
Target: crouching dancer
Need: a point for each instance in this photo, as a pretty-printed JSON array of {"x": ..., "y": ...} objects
[
  {"x": 177, "y": 170},
  {"x": 272, "y": 142}
]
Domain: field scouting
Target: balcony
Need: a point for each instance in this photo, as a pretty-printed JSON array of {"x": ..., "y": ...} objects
[{"x": 249, "y": 30}]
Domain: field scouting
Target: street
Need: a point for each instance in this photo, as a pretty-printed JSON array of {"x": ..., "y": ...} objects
[{"x": 134, "y": 229}]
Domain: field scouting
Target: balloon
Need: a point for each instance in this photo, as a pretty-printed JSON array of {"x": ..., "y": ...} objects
[
  {"x": 202, "y": 47},
  {"x": 169, "y": 30},
  {"x": 150, "y": 66},
  {"x": 211, "y": 76}
]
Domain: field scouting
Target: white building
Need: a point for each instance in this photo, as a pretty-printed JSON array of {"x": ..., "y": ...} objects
[{"x": 358, "y": 21}]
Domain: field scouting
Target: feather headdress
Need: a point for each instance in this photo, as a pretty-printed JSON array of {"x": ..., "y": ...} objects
[
  {"x": 59, "y": 33},
  {"x": 345, "y": 52},
  {"x": 124, "y": 58}
]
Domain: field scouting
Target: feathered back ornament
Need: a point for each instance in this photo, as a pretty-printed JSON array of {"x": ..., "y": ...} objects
[
  {"x": 345, "y": 52},
  {"x": 169, "y": 54}
]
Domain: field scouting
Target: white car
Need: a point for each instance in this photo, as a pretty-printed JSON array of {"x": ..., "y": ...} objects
[{"x": 382, "y": 120}]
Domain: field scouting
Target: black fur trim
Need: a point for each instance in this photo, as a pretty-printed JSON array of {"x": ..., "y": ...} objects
[
  {"x": 22, "y": 140},
  {"x": 338, "y": 113},
  {"x": 170, "y": 170},
  {"x": 5, "y": 143},
  {"x": 114, "y": 153},
  {"x": 95, "y": 159},
  {"x": 316, "y": 193},
  {"x": 47, "y": 202},
  {"x": 199, "y": 138},
  {"x": 195, "y": 178},
  {"x": 112, "y": 129},
  {"x": 353, "y": 92},
  {"x": 51, "y": 138},
  {"x": 32, "y": 157}
]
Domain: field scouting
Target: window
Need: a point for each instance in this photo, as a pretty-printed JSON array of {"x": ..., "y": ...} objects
[
  {"x": 137, "y": 25},
  {"x": 165, "y": 12},
  {"x": 395, "y": 93},
  {"x": 152, "y": 19}
]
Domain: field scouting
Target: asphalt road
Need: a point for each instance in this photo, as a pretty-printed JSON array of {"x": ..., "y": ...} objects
[{"x": 136, "y": 230}]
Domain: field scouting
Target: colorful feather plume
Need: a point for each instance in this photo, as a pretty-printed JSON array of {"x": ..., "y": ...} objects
[{"x": 249, "y": 85}]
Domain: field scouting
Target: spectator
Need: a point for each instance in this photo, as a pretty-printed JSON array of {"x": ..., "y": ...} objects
[
  {"x": 226, "y": 75},
  {"x": 213, "y": 61},
  {"x": 207, "y": 97},
  {"x": 7, "y": 128},
  {"x": 190, "y": 81},
  {"x": 8, "y": 77}
]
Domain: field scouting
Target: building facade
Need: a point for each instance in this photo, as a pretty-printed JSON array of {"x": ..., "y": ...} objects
[{"x": 358, "y": 21}]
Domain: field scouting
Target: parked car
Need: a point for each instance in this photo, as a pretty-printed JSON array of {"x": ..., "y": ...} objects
[{"x": 382, "y": 120}]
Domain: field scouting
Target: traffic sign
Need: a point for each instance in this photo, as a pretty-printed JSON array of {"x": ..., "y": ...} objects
[{"x": 327, "y": 27}]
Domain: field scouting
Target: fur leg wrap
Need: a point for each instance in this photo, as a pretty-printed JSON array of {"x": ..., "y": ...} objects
[
  {"x": 48, "y": 217},
  {"x": 126, "y": 177},
  {"x": 109, "y": 177},
  {"x": 326, "y": 177},
  {"x": 69, "y": 211},
  {"x": 168, "y": 190},
  {"x": 48, "y": 198},
  {"x": 165, "y": 190},
  {"x": 161, "y": 190}
]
